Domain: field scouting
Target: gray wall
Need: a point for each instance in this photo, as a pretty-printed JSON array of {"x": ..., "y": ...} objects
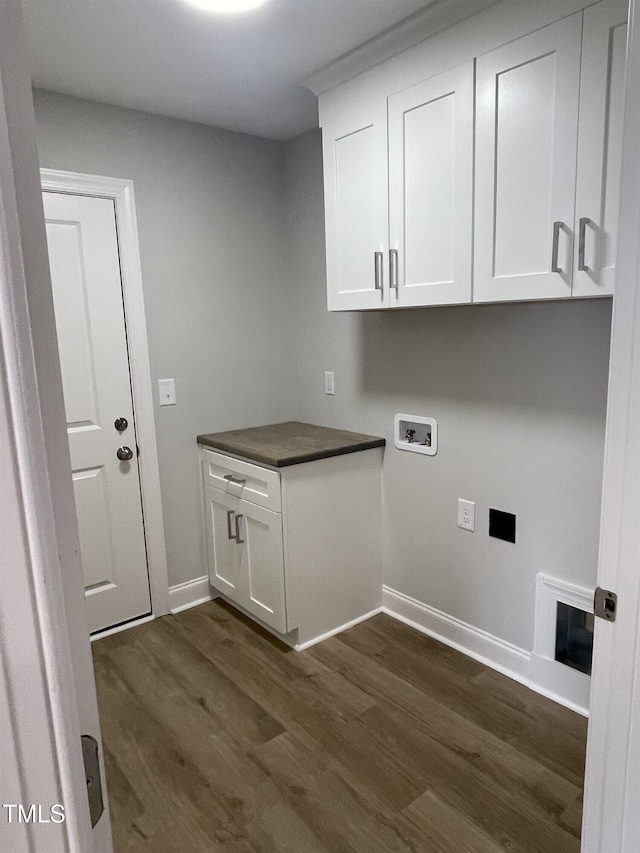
[
  {"x": 519, "y": 393},
  {"x": 232, "y": 247},
  {"x": 210, "y": 219}
]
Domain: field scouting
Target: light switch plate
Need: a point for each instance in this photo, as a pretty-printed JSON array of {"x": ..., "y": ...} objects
[
  {"x": 466, "y": 515},
  {"x": 167, "y": 391},
  {"x": 329, "y": 382}
]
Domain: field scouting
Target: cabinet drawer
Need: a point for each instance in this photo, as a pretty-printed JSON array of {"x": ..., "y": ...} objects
[{"x": 260, "y": 486}]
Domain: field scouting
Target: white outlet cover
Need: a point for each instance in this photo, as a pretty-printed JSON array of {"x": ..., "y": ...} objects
[{"x": 466, "y": 515}]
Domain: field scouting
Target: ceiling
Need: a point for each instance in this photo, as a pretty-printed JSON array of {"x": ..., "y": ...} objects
[{"x": 240, "y": 72}]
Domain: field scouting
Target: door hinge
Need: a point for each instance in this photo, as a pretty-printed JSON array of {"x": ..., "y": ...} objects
[
  {"x": 605, "y": 604},
  {"x": 92, "y": 775}
]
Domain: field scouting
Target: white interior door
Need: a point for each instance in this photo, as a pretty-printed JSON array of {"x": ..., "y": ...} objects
[
  {"x": 87, "y": 292},
  {"x": 430, "y": 185},
  {"x": 526, "y": 129},
  {"x": 604, "y": 47}
]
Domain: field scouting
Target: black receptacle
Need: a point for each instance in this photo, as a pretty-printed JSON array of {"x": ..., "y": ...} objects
[
  {"x": 502, "y": 525},
  {"x": 574, "y": 637}
]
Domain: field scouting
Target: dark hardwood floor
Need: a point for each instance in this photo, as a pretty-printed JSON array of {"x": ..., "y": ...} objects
[{"x": 219, "y": 738}]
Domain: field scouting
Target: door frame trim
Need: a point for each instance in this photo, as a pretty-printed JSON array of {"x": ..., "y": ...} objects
[
  {"x": 121, "y": 192},
  {"x": 611, "y": 819}
]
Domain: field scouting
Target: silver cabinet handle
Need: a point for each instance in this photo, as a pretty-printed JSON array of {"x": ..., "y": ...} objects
[
  {"x": 377, "y": 269},
  {"x": 557, "y": 227},
  {"x": 581, "y": 242},
  {"x": 237, "y": 536},
  {"x": 393, "y": 269},
  {"x": 230, "y": 533},
  {"x": 237, "y": 481}
]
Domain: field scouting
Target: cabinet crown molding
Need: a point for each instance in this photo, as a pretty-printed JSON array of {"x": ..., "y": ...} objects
[{"x": 437, "y": 16}]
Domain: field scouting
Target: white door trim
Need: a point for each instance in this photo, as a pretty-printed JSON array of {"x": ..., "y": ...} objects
[
  {"x": 612, "y": 786},
  {"x": 121, "y": 191},
  {"x": 46, "y": 678}
]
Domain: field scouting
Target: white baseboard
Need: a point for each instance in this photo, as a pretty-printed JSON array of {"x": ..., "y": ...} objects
[
  {"x": 302, "y": 646},
  {"x": 563, "y": 686},
  {"x": 190, "y": 593}
]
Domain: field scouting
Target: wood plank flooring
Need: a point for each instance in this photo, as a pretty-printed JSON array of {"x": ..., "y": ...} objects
[{"x": 219, "y": 738}]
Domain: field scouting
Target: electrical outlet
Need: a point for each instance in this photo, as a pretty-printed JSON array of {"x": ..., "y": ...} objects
[
  {"x": 466, "y": 515},
  {"x": 167, "y": 392},
  {"x": 329, "y": 382}
]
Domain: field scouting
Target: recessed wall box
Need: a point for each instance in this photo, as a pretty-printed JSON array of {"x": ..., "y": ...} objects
[{"x": 415, "y": 433}]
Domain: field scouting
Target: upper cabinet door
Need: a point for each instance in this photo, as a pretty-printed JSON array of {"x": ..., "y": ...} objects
[
  {"x": 599, "y": 147},
  {"x": 527, "y": 124},
  {"x": 431, "y": 189},
  {"x": 355, "y": 180}
]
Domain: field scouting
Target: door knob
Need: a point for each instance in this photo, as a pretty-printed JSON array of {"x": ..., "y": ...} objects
[
  {"x": 121, "y": 424},
  {"x": 124, "y": 454}
]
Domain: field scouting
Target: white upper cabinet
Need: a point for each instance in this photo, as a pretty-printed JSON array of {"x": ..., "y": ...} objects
[
  {"x": 599, "y": 147},
  {"x": 526, "y": 132},
  {"x": 482, "y": 168},
  {"x": 355, "y": 180},
  {"x": 430, "y": 188}
]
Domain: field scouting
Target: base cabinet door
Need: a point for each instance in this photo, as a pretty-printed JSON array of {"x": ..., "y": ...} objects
[
  {"x": 262, "y": 555},
  {"x": 246, "y": 555},
  {"x": 430, "y": 190},
  {"x": 355, "y": 181},
  {"x": 526, "y": 139},
  {"x": 225, "y": 559},
  {"x": 599, "y": 147}
]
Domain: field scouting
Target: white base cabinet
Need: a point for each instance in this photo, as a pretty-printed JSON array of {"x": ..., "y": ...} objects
[
  {"x": 297, "y": 548},
  {"x": 244, "y": 544}
]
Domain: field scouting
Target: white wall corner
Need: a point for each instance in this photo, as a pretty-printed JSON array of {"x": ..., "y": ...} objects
[
  {"x": 190, "y": 593},
  {"x": 547, "y": 677}
]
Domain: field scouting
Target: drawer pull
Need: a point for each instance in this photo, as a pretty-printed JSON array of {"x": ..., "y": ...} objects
[
  {"x": 230, "y": 533},
  {"x": 237, "y": 481},
  {"x": 237, "y": 536}
]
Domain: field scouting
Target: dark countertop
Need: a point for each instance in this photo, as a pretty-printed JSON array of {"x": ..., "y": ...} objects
[{"x": 289, "y": 443}]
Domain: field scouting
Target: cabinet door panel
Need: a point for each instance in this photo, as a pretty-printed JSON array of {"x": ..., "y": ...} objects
[
  {"x": 431, "y": 188},
  {"x": 600, "y": 147},
  {"x": 226, "y": 571},
  {"x": 263, "y": 562},
  {"x": 355, "y": 177},
  {"x": 527, "y": 120}
]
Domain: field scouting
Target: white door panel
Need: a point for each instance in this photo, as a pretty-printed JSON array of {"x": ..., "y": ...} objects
[
  {"x": 527, "y": 120},
  {"x": 246, "y": 555},
  {"x": 600, "y": 147},
  {"x": 225, "y": 559},
  {"x": 87, "y": 293},
  {"x": 355, "y": 163},
  {"x": 263, "y": 556},
  {"x": 430, "y": 188}
]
